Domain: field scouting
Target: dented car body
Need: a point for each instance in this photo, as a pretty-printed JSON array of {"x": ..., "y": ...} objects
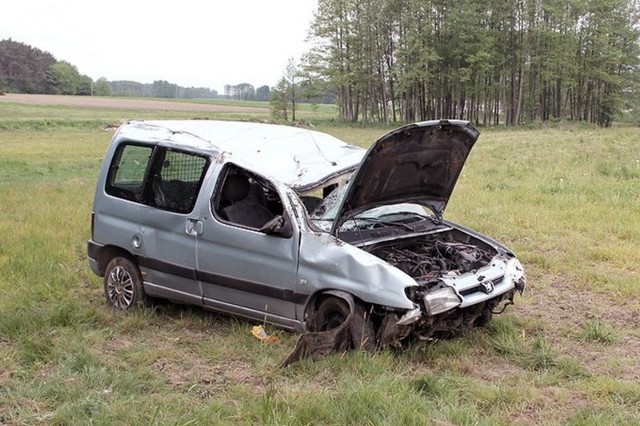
[{"x": 298, "y": 229}]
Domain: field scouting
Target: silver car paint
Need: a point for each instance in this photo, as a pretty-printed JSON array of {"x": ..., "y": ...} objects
[{"x": 257, "y": 260}]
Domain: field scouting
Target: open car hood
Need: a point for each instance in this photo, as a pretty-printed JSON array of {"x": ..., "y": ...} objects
[{"x": 418, "y": 163}]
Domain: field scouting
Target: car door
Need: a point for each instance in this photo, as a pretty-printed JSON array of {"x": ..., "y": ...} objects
[
  {"x": 167, "y": 228},
  {"x": 244, "y": 270}
]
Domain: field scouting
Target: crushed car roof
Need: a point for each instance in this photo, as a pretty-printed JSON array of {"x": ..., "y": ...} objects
[{"x": 300, "y": 158}]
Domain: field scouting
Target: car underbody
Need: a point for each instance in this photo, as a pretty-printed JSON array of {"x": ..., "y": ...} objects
[{"x": 390, "y": 334}]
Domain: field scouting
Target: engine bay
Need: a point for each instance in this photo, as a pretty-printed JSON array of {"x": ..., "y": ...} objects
[{"x": 441, "y": 254}]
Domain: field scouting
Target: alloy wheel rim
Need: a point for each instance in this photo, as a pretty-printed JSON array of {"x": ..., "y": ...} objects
[{"x": 120, "y": 287}]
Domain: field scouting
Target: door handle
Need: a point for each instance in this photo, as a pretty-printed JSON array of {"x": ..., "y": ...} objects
[{"x": 194, "y": 227}]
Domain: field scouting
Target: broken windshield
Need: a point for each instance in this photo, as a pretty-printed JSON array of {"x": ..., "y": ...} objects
[{"x": 400, "y": 215}]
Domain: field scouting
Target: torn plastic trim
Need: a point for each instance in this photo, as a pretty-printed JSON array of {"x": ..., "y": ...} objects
[
  {"x": 410, "y": 317},
  {"x": 391, "y": 334},
  {"x": 318, "y": 344}
]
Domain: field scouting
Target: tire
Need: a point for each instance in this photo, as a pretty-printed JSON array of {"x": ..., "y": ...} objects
[
  {"x": 123, "y": 284},
  {"x": 333, "y": 311}
]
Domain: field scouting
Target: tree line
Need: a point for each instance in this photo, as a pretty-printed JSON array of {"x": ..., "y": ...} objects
[
  {"x": 487, "y": 61},
  {"x": 246, "y": 92},
  {"x": 158, "y": 89},
  {"x": 26, "y": 69}
]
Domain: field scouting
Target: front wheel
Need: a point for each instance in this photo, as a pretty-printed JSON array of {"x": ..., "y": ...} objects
[
  {"x": 123, "y": 284},
  {"x": 334, "y": 311}
]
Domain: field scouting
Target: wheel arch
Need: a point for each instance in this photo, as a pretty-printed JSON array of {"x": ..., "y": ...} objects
[
  {"x": 107, "y": 253},
  {"x": 315, "y": 301}
]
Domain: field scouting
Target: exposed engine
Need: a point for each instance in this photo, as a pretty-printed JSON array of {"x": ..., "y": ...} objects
[{"x": 426, "y": 259}]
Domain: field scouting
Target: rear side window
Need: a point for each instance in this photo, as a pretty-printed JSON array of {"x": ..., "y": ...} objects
[
  {"x": 127, "y": 172},
  {"x": 156, "y": 176}
]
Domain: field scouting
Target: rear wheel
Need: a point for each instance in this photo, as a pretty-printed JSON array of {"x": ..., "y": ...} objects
[
  {"x": 123, "y": 284},
  {"x": 334, "y": 311}
]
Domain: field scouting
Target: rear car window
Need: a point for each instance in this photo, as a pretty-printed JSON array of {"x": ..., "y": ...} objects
[
  {"x": 156, "y": 176},
  {"x": 127, "y": 172}
]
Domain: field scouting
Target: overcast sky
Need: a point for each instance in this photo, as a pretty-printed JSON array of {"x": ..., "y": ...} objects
[{"x": 189, "y": 43}]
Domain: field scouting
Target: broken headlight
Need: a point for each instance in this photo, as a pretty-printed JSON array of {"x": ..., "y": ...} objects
[{"x": 441, "y": 300}]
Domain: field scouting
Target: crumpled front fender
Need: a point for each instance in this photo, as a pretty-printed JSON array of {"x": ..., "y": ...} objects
[{"x": 327, "y": 263}]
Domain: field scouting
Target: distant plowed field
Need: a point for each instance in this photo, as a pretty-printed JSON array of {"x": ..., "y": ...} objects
[{"x": 124, "y": 103}]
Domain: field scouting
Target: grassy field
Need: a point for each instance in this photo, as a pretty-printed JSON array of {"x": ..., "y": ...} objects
[
  {"x": 567, "y": 201},
  {"x": 41, "y": 112}
]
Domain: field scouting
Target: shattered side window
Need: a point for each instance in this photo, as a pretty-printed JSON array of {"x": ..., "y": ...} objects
[
  {"x": 127, "y": 172},
  {"x": 328, "y": 209},
  {"x": 246, "y": 199},
  {"x": 325, "y": 213}
]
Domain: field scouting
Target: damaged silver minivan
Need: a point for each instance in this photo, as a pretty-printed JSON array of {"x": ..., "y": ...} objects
[{"x": 296, "y": 228}]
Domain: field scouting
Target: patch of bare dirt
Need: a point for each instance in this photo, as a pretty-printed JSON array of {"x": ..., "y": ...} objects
[
  {"x": 563, "y": 309},
  {"x": 550, "y": 407},
  {"x": 122, "y": 103},
  {"x": 5, "y": 375},
  {"x": 208, "y": 379},
  {"x": 115, "y": 345},
  {"x": 575, "y": 305},
  {"x": 492, "y": 370}
]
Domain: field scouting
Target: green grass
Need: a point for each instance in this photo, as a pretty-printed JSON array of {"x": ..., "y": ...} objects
[
  {"x": 598, "y": 331},
  {"x": 566, "y": 200}
]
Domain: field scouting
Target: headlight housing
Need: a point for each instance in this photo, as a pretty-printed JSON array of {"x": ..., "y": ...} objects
[{"x": 441, "y": 300}]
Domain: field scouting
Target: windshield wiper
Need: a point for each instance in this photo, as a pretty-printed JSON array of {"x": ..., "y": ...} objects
[
  {"x": 379, "y": 221},
  {"x": 415, "y": 214}
]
